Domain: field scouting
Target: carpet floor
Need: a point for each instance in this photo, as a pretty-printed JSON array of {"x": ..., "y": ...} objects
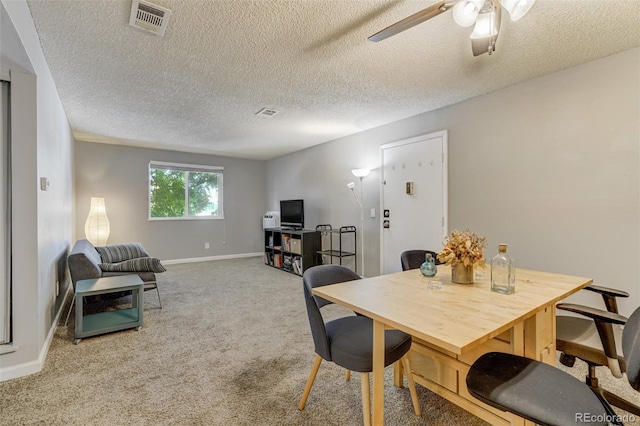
[{"x": 231, "y": 346}]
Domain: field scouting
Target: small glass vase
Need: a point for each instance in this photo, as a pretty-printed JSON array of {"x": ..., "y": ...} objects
[{"x": 428, "y": 268}]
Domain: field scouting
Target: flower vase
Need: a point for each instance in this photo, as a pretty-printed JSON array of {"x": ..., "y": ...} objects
[
  {"x": 461, "y": 274},
  {"x": 428, "y": 268}
]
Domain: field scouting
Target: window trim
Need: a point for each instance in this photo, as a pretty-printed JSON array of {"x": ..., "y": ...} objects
[{"x": 198, "y": 168}]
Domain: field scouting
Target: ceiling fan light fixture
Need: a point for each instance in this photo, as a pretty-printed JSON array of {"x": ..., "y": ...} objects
[
  {"x": 485, "y": 14},
  {"x": 465, "y": 12},
  {"x": 485, "y": 26},
  {"x": 517, "y": 8}
]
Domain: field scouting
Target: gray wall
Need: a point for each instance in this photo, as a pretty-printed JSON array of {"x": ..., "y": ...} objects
[
  {"x": 120, "y": 175},
  {"x": 42, "y": 220},
  {"x": 549, "y": 166}
]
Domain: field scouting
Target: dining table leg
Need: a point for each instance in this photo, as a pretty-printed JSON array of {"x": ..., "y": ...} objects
[{"x": 378, "y": 373}]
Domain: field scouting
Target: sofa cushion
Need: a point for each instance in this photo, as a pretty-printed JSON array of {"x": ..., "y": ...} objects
[
  {"x": 141, "y": 264},
  {"x": 119, "y": 252}
]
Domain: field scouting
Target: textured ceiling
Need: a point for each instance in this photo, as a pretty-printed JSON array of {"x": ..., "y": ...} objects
[{"x": 198, "y": 87}]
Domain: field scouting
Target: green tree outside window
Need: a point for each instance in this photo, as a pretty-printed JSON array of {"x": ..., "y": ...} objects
[{"x": 171, "y": 190}]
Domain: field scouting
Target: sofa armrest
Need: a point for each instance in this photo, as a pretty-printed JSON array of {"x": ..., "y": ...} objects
[{"x": 83, "y": 262}]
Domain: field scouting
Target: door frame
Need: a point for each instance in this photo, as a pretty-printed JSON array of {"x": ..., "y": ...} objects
[
  {"x": 6, "y": 325},
  {"x": 445, "y": 182}
]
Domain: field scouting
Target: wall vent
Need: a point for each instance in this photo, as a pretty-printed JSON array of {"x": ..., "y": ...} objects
[
  {"x": 266, "y": 113},
  {"x": 149, "y": 17}
]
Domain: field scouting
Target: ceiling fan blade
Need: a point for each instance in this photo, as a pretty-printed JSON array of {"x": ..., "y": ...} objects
[{"x": 412, "y": 21}]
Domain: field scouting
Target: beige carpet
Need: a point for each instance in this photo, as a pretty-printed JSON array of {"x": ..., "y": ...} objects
[{"x": 232, "y": 346}]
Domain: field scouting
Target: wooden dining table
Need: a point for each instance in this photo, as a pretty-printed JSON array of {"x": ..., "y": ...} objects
[{"x": 453, "y": 325}]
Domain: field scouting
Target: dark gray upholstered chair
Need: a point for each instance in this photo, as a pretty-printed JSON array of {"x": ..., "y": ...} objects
[
  {"x": 544, "y": 394},
  {"x": 595, "y": 338},
  {"x": 412, "y": 259},
  {"x": 348, "y": 341}
]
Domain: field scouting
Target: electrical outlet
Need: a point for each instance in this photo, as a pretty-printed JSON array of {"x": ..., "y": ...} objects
[
  {"x": 373, "y": 212},
  {"x": 206, "y": 245}
]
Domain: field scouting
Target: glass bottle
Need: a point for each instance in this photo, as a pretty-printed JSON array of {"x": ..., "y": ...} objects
[
  {"x": 428, "y": 268},
  {"x": 479, "y": 270},
  {"x": 503, "y": 272}
]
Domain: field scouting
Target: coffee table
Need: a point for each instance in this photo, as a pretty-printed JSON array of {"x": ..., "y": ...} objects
[{"x": 109, "y": 321}]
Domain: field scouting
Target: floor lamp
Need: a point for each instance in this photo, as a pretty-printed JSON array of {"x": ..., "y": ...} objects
[
  {"x": 97, "y": 226},
  {"x": 360, "y": 173}
]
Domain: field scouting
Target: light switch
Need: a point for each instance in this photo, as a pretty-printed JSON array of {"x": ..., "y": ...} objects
[
  {"x": 373, "y": 212},
  {"x": 44, "y": 184}
]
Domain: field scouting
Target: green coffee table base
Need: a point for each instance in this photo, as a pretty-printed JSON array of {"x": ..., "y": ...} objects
[{"x": 109, "y": 321}]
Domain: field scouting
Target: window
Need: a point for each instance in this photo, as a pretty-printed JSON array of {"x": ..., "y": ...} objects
[{"x": 184, "y": 191}]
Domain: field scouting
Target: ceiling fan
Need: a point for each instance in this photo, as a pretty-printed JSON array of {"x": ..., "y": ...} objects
[{"x": 485, "y": 14}]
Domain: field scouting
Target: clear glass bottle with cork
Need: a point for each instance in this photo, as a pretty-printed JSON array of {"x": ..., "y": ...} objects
[{"x": 503, "y": 272}]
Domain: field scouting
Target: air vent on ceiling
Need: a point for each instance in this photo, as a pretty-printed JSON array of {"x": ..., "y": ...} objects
[
  {"x": 266, "y": 113},
  {"x": 149, "y": 17}
]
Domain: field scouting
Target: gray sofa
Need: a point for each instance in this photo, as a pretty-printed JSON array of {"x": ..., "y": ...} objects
[{"x": 86, "y": 261}]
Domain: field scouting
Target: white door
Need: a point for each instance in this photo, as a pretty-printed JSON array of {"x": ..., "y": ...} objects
[{"x": 413, "y": 197}]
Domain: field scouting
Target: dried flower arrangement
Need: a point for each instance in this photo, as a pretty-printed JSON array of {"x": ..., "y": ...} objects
[{"x": 463, "y": 247}]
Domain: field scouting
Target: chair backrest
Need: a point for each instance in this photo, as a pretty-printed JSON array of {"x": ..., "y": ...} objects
[
  {"x": 631, "y": 348},
  {"x": 412, "y": 259},
  {"x": 319, "y": 276}
]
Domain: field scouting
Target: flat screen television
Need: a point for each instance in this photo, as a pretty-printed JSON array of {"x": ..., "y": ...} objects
[{"x": 292, "y": 213}]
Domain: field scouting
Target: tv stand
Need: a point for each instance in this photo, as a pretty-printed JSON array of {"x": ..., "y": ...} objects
[{"x": 290, "y": 249}]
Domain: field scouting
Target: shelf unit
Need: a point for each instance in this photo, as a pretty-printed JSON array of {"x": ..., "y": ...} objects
[
  {"x": 347, "y": 246},
  {"x": 291, "y": 250}
]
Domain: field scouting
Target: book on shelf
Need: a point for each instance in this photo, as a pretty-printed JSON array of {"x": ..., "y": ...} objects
[
  {"x": 286, "y": 264},
  {"x": 286, "y": 242},
  {"x": 277, "y": 260},
  {"x": 297, "y": 264}
]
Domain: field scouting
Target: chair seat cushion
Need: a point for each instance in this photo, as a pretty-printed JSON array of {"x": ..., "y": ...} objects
[
  {"x": 536, "y": 391},
  {"x": 351, "y": 342},
  {"x": 579, "y": 337}
]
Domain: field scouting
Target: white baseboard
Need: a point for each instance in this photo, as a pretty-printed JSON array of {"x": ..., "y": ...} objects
[
  {"x": 208, "y": 258},
  {"x": 34, "y": 366}
]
